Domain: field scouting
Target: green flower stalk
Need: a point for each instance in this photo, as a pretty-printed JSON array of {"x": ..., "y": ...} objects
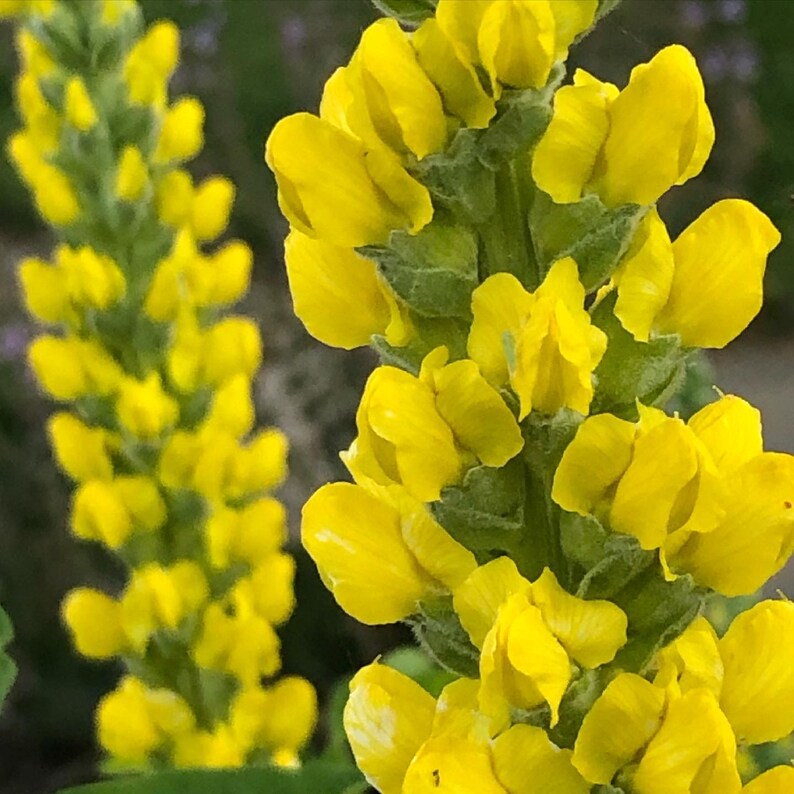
[
  {"x": 154, "y": 374},
  {"x": 520, "y": 497}
]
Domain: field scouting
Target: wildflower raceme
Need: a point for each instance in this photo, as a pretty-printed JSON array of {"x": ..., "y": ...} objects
[
  {"x": 522, "y": 494},
  {"x": 153, "y": 376}
]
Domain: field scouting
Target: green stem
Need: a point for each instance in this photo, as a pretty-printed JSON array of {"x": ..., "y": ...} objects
[{"x": 505, "y": 237}]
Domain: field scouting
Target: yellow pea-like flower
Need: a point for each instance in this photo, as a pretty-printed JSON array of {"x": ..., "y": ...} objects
[
  {"x": 94, "y": 620},
  {"x": 81, "y": 451},
  {"x": 442, "y": 419},
  {"x": 92, "y": 280},
  {"x": 182, "y": 132},
  {"x": 230, "y": 347},
  {"x": 331, "y": 187},
  {"x": 386, "y": 98},
  {"x": 212, "y": 203},
  {"x": 98, "y": 513},
  {"x": 618, "y": 725},
  {"x": 144, "y": 408},
  {"x": 132, "y": 175},
  {"x": 36, "y": 59},
  {"x": 55, "y": 196},
  {"x": 380, "y": 695},
  {"x": 553, "y": 347},
  {"x": 391, "y": 534},
  {"x": 291, "y": 714},
  {"x": 232, "y": 267},
  {"x": 174, "y": 197},
  {"x": 80, "y": 111},
  {"x": 707, "y": 286},
  {"x": 777, "y": 780},
  {"x": 602, "y": 134},
  {"x": 124, "y": 722},
  {"x": 44, "y": 290},
  {"x": 527, "y": 632}
]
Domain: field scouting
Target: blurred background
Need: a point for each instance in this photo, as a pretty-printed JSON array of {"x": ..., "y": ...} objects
[{"x": 251, "y": 62}]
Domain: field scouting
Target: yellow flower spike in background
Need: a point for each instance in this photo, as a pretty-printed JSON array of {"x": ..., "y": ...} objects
[{"x": 161, "y": 382}]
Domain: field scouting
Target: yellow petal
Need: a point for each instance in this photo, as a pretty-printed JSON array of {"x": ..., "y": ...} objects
[
  {"x": 435, "y": 550},
  {"x": 478, "y": 599},
  {"x": 566, "y": 155},
  {"x": 460, "y": 21},
  {"x": 402, "y": 437},
  {"x": 534, "y": 652},
  {"x": 756, "y": 537},
  {"x": 403, "y": 104},
  {"x": 500, "y": 306},
  {"x": 336, "y": 293},
  {"x": 647, "y": 492},
  {"x": 526, "y": 762},
  {"x": 717, "y": 286},
  {"x": 694, "y": 750},
  {"x": 730, "y": 429},
  {"x": 645, "y": 277},
  {"x": 646, "y": 153},
  {"x": 571, "y": 18},
  {"x": 692, "y": 660},
  {"x": 353, "y": 536},
  {"x": 590, "y": 631},
  {"x": 592, "y": 463},
  {"x": 516, "y": 42},
  {"x": 477, "y": 414},
  {"x": 454, "y": 77},
  {"x": 325, "y": 187},
  {"x": 94, "y": 621},
  {"x": 758, "y": 689},
  {"x": 449, "y": 765},
  {"x": 618, "y": 725},
  {"x": 778, "y": 780},
  {"x": 387, "y": 719}
]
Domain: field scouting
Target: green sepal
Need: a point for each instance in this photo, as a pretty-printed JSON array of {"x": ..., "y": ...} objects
[
  {"x": 658, "y": 612},
  {"x": 522, "y": 119},
  {"x": 410, "y": 13},
  {"x": 577, "y": 702},
  {"x": 486, "y": 511},
  {"x": 458, "y": 180},
  {"x": 545, "y": 440},
  {"x": 606, "y": 7},
  {"x": 651, "y": 372},
  {"x": 430, "y": 333},
  {"x": 319, "y": 776},
  {"x": 434, "y": 271},
  {"x": 609, "y": 560},
  {"x": 439, "y": 632},
  {"x": 8, "y": 670},
  {"x": 596, "y": 237}
]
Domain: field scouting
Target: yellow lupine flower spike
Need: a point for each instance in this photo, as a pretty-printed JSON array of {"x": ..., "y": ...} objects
[{"x": 160, "y": 380}]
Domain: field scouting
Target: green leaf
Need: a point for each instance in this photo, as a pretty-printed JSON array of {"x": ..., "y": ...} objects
[
  {"x": 407, "y": 12},
  {"x": 651, "y": 372},
  {"x": 419, "y": 667},
  {"x": 434, "y": 271},
  {"x": 328, "y": 778},
  {"x": 596, "y": 237},
  {"x": 486, "y": 511},
  {"x": 8, "y": 670}
]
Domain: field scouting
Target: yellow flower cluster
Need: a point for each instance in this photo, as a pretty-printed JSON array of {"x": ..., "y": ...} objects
[
  {"x": 160, "y": 432},
  {"x": 520, "y": 497}
]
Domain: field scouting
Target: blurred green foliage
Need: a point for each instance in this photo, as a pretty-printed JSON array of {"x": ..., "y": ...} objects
[{"x": 251, "y": 62}]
